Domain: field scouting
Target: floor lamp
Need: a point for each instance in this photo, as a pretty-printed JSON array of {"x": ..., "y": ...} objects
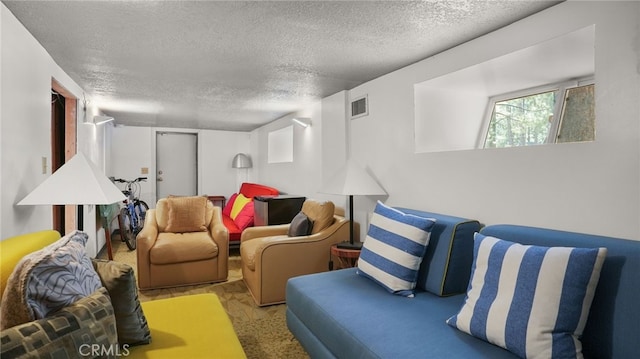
[
  {"x": 77, "y": 182},
  {"x": 352, "y": 180},
  {"x": 242, "y": 162}
]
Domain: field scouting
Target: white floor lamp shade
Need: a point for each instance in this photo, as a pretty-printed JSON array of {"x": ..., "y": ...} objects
[
  {"x": 352, "y": 180},
  {"x": 77, "y": 182}
]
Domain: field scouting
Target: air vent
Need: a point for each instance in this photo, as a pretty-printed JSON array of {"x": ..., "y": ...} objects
[{"x": 359, "y": 107}]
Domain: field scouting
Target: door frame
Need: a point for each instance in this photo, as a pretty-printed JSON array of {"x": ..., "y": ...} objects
[{"x": 70, "y": 146}]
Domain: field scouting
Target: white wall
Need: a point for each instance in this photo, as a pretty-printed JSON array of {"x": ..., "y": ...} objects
[
  {"x": 334, "y": 142},
  {"x": 129, "y": 151},
  {"x": 334, "y": 134},
  {"x": 585, "y": 187},
  {"x": 25, "y": 129},
  {"x": 133, "y": 148},
  {"x": 303, "y": 176},
  {"x": 217, "y": 150}
]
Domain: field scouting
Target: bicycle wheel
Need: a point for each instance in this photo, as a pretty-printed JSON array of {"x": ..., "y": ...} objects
[
  {"x": 141, "y": 209},
  {"x": 126, "y": 229}
]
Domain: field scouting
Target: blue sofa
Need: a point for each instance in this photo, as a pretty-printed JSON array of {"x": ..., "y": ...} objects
[{"x": 340, "y": 314}]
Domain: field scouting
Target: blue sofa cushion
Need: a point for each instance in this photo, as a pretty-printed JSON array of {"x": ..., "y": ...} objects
[
  {"x": 394, "y": 248},
  {"x": 446, "y": 266},
  {"x": 614, "y": 321},
  {"x": 531, "y": 300},
  {"x": 352, "y": 317}
]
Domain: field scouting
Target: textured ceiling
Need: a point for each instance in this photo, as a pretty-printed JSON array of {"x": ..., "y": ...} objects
[{"x": 236, "y": 65}]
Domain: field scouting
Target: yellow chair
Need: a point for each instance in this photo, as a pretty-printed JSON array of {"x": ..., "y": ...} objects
[
  {"x": 13, "y": 249},
  {"x": 183, "y": 242}
]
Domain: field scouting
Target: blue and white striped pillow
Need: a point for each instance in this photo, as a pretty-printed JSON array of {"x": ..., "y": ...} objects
[
  {"x": 393, "y": 249},
  {"x": 533, "y": 301}
]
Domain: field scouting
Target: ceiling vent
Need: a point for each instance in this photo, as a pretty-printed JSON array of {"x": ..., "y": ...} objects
[{"x": 359, "y": 107}]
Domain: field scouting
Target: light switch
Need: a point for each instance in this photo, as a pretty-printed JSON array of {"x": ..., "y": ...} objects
[
  {"x": 144, "y": 170},
  {"x": 44, "y": 165}
]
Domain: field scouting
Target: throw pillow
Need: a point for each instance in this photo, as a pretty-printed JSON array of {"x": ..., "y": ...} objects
[
  {"x": 300, "y": 225},
  {"x": 238, "y": 205},
  {"x": 187, "y": 214},
  {"x": 120, "y": 282},
  {"x": 531, "y": 300},
  {"x": 229, "y": 206},
  {"x": 394, "y": 248},
  {"x": 69, "y": 333},
  {"x": 48, "y": 280},
  {"x": 244, "y": 218}
]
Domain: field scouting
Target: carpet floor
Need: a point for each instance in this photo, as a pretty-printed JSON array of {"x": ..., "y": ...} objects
[{"x": 262, "y": 331}]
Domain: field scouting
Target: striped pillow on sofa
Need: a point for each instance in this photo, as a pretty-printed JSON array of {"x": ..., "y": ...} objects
[
  {"x": 394, "y": 248},
  {"x": 531, "y": 300}
]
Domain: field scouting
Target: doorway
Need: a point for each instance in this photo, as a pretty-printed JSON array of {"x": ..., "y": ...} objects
[
  {"x": 57, "y": 151},
  {"x": 63, "y": 148},
  {"x": 176, "y": 164}
]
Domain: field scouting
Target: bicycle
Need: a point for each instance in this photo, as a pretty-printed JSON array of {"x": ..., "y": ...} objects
[{"x": 132, "y": 214}]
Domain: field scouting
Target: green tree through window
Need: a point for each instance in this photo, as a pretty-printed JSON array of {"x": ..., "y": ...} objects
[
  {"x": 533, "y": 119},
  {"x": 521, "y": 121}
]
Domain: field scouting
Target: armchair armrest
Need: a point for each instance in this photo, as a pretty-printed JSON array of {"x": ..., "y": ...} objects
[
  {"x": 149, "y": 233},
  {"x": 336, "y": 233},
  {"x": 220, "y": 235},
  {"x": 264, "y": 231},
  {"x": 144, "y": 241},
  {"x": 219, "y": 232}
]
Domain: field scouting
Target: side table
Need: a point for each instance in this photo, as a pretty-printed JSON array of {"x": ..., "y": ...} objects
[
  {"x": 219, "y": 201},
  {"x": 345, "y": 258}
]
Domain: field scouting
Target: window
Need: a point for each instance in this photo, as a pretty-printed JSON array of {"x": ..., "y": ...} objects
[
  {"x": 452, "y": 110},
  {"x": 578, "y": 119},
  {"x": 553, "y": 114}
]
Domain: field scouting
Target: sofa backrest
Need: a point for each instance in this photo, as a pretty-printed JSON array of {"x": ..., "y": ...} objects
[
  {"x": 13, "y": 249},
  {"x": 251, "y": 190},
  {"x": 446, "y": 266},
  {"x": 613, "y": 326}
]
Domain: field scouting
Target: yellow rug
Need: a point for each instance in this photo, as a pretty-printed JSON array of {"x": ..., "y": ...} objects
[{"x": 174, "y": 334}]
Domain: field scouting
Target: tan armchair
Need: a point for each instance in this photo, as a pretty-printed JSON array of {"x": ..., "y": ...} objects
[
  {"x": 270, "y": 257},
  {"x": 183, "y": 242}
]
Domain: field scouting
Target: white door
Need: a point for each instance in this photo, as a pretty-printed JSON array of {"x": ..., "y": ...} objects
[{"x": 176, "y": 164}]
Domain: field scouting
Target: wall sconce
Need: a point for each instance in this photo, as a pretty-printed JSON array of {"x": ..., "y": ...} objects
[
  {"x": 241, "y": 161},
  {"x": 302, "y": 121},
  {"x": 99, "y": 120}
]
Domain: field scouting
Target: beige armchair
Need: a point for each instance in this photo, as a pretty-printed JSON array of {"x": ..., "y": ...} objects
[
  {"x": 183, "y": 242},
  {"x": 270, "y": 257}
]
